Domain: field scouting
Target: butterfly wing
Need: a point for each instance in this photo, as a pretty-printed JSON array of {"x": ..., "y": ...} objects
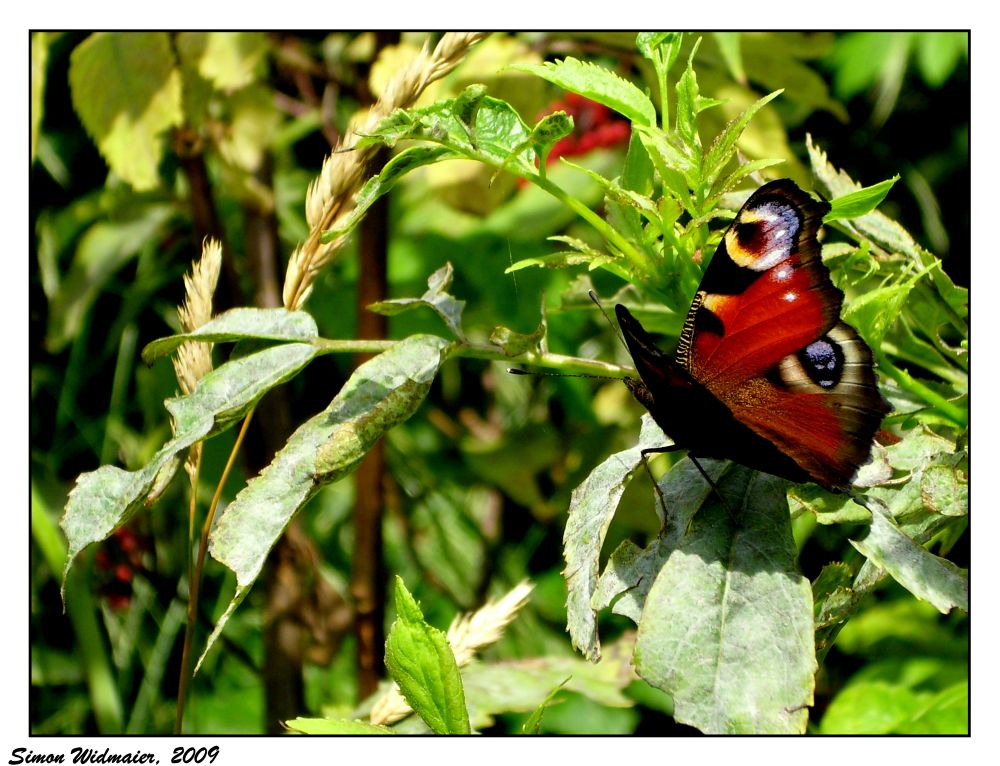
[
  {"x": 765, "y": 372},
  {"x": 764, "y": 336}
]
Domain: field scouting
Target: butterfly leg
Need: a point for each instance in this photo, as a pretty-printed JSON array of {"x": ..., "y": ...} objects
[
  {"x": 715, "y": 489},
  {"x": 645, "y": 464}
]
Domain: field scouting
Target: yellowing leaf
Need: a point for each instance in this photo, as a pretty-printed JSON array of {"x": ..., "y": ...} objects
[
  {"x": 229, "y": 60},
  {"x": 126, "y": 90}
]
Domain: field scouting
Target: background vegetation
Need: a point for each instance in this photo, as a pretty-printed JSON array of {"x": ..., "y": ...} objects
[{"x": 470, "y": 495}]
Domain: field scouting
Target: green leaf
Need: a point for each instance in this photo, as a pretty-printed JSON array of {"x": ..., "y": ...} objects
[
  {"x": 938, "y": 54},
  {"x": 902, "y": 695},
  {"x": 598, "y": 84},
  {"x": 381, "y": 393},
  {"x": 631, "y": 571},
  {"x": 947, "y": 712},
  {"x": 833, "y": 579},
  {"x": 944, "y": 489},
  {"x": 860, "y": 202},
  {"x": 874, "y": 311},
  {"x": 506, "y": 686},
  {"x": 39, "y": 65},
  {"x": 564, "y": 259},
  {"x": 544, "y": 135},
  {"x": 420, "y": 660},
  {"x": 436, "y": 298},
  {"x": 229, "y": 60},
  {"x": 734, "y": 179},
  {"x": 829, "y": 508},
  {"x": 743, "y": 660},
  {"x": 676, "y": 167},
  {"x": 649, "y": 43},
  {"x": 925, "y": 575},
  {"x": 724, "y": 145},
  {"x": 729, "y": 47},
  {"x": 591, "y": 509},
  {"x": 873, "y": 707},
  {"x": 625, "y": 197},
  {"x": 516, "y": 343},
  {"x": 335, "y": 726},
  {"x": 690, "y": 103},
  {"x": 126, "y": 89},
  {"x": 104, "y": 499},
  {"x": 241, "y": 324}
]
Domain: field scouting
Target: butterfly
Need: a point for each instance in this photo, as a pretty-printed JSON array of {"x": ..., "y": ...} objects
[{"x": 765, "y": 372}]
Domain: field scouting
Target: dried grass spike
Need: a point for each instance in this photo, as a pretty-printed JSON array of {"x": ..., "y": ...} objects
[
  {"x": 331, "y": 194},
  {"x": 193, "y": 360}
]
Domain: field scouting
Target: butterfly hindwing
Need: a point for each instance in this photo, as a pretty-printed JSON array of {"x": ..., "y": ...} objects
[{"x": 764, "y": 339}]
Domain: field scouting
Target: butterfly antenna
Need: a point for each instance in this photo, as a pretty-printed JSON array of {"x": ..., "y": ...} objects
[
  {"x": 519, "y": 371},
  {"x": 615, "y": 327}
]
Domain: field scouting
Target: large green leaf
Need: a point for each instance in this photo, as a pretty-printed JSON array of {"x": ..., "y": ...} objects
[
  {"x": 631, "y": 571},
  {"x": 727, "y": 627},
  {"x": 381, "y": 393}
]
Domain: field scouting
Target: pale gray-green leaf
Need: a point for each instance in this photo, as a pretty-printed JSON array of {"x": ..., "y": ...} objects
[
  {"x": 631, "y": 571},
  {"x": 591, "y": 509},
  {"x": 381, "y": 393},
  {"x": 925, "y": 575},
  {"x": 276, "y": 324},
  {"x": 104, "y": 499},
  {"x": 436, "y": 298},
  {"x": 727, "y": 628}
]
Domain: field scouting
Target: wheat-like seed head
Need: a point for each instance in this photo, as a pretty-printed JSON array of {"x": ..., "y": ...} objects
[
  {"x": 330, "y": 195},
  {"x": 193, "y": 360},
  {"x": 467, "y": 634}
]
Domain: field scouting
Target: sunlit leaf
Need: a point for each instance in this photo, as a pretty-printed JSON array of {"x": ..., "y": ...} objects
[
  {"x": 241, "y": 324},
  {"x": 127, "y": 90},
  {"x": 744, "y": 659},
  {"x": 598, "y": 84},
  {"x": 421, "y": 661}
]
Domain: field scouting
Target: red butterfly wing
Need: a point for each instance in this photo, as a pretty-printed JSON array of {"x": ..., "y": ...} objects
[{"x": 792, "y": 390}]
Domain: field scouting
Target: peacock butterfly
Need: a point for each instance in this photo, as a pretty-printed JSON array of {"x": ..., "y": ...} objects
[{"x": 765, "y": 372}]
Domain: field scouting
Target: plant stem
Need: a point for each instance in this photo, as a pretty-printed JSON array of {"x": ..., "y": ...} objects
[
  {"x": 196, "y": 579},
  {"x": 560, "y": 362},
  {"x": 635, "y": 256}
]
